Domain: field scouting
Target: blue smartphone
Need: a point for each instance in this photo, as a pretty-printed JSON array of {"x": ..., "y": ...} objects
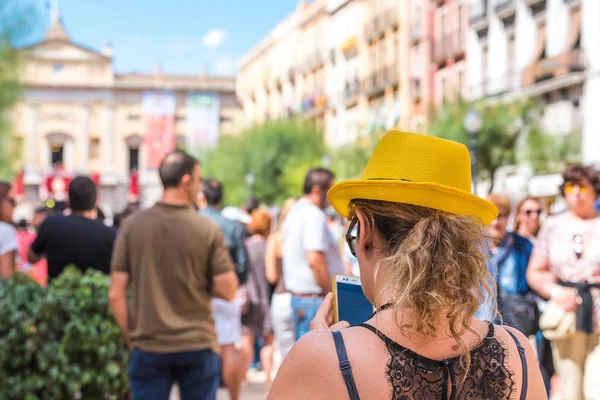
[{"x": 349, "y": 301}]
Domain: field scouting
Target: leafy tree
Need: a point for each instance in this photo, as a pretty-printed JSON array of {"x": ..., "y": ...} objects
[
  {"x": 278, "y": 153},
  {"x": 550, "y": 153},
  {"x": 349, "y": 161},
  {"x": 510, "y": 132},
  {"x": 16, "y": 19}
]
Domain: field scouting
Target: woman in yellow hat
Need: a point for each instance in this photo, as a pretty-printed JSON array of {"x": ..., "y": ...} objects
[{"x": 422, "y": 254}]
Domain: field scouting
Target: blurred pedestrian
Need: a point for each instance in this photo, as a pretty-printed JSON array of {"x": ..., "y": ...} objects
[
  {"x": 565, "y": 268},
  {"x": 251, "y": 204},
  {"x": 175, "y": 260},
  {"x": 77, "y": 238},
  {"x": 256, "y": 323},
  {"x": 527, "y": 224},
  {"x": 40, "y": 268},
  {"x": 128, "y": 211},
  {"x": 311, "y": 255},
  {"x": 8, "y": 234},
  {"x": 335, "y": 225},
  {"x": 39, "y": 215},
  {"x": 507, "y": 262},
  {"x": 281, "y": 301},
  {"x": 527, "y": 221},
  {"x": 228, "y": 313}
]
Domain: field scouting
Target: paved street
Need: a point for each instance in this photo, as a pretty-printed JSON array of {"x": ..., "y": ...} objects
[{"x": 255, "y": 390}]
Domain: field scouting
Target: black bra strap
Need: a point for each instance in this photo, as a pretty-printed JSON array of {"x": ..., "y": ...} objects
[
  {"x": 340, "y": 348},
  {"x": 523, "y": 365},
  {"x": 388, "y": 342}
]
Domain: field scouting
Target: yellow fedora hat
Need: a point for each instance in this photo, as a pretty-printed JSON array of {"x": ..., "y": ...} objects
[{"x": 416, "y": 169}]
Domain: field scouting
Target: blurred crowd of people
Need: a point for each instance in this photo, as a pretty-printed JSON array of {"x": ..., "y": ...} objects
[
  {"x": 546, "y": 268},
  {"x": 18, "y": 237}
]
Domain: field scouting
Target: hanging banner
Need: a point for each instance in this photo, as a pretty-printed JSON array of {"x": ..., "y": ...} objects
[
  {"x": 159, "y": 117},
  {"x": 203, "y": 119}
]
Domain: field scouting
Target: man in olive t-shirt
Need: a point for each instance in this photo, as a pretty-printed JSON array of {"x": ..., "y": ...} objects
[{"x": 175, "y": 260}]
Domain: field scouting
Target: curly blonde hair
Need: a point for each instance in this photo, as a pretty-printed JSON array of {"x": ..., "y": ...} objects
[{"x": 435, "y": 266}]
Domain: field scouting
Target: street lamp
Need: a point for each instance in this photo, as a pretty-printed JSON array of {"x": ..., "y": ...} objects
[
  {"x": 472, "y": 124},
  {"x": 250, "y": 178}
]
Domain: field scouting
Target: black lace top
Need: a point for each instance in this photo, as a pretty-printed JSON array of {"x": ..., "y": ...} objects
[{"x": 413, "y": 376}]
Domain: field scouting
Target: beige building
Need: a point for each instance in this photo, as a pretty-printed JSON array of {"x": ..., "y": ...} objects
[
  {"x": 78, "y": 116},
  {"x": 350, "y": 64},
  {"x": 287, "y": 73}
]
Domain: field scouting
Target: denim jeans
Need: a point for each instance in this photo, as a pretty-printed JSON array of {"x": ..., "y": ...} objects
[
  {"x": 152, "y": 374},
  {"x": 303, "y": 311}
]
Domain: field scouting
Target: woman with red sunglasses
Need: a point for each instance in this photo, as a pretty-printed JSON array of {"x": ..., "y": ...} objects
[
  {"x": 8, "y": 234},
  {"x": 565, "y": 268}
]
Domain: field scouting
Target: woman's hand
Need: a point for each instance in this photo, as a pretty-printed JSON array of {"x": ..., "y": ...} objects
[
  {"x": 324, "y": 317},
  {"x": 568, "y": 299}
]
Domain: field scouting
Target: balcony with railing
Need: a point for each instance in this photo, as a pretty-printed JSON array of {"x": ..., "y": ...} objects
[
  {"x": 505, "y": 9},
  {"x": 449, "y": 46},
  {"x": 570, "y": 61},
  {"x": 316, "y": 59},
  {"x": 415, "y": 89},
  {"x": 313, "y": 103},
  {"x": 416, "y": 32},
  {"x": 390, "y": 17},
  {"x": 390, "y": 76},
  {"x": 351, "y": 90},
  {"x": 379, "y": 25},
  {"x": 370, "y": 31},
  {"x": 535, "y": 3},
  {"x": 374, "y": 84},
  {"x": 478, "y": 15}
]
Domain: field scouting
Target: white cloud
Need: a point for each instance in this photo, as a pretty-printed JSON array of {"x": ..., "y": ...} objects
[
  {"x": 214, "y": 38},
  {"x": 224, "y": 66}
]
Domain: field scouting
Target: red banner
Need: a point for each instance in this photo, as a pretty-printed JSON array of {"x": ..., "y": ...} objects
[{"x": 159, "y": 113}]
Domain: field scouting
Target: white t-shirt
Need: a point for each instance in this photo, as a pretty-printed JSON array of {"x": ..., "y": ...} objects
[
  {"x": 8, "y": 238},
  {"x": 305, "y": 229}
]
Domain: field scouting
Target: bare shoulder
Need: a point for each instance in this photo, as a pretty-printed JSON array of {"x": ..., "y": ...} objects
[
  {"x": 316, "y": 349},
  {"x": 310, "y": 370},
  {"x": 536, "y": 388}
]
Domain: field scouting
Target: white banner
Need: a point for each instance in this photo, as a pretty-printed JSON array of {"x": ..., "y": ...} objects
[{"x": 203, "y": 120}]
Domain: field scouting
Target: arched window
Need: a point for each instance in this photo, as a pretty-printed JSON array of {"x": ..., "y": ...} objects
[
  {"x": 133, "y": 143},
  {"x": 56, "y": 146}
]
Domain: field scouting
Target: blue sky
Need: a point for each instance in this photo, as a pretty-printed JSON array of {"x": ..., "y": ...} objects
[{"x": 183, "y": 35}]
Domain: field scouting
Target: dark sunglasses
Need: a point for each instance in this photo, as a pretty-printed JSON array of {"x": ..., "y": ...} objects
[
  {"x": 529, "y": 212},
  {"x": 350, "y": 238}
]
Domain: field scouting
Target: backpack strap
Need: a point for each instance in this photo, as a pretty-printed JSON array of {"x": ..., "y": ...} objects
[
  {"x": 340, "y": 348},
  {"x": 523, "y": 365}
]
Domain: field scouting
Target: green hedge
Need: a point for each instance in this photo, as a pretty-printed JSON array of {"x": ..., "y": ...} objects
[{"x": 60, "y": 342}]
